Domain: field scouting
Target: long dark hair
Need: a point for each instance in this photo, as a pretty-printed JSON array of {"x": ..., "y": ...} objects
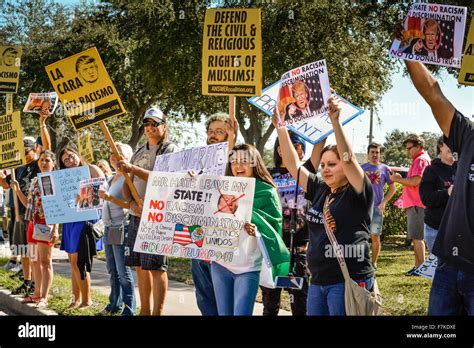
[
  {"x": 69, "y": 149},
  {"x": 259, "y": 170}
]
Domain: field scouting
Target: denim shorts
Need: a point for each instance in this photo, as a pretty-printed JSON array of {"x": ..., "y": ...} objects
[
  {"x": 377, "y": 222},
  {"x": 148, "y": 262}
]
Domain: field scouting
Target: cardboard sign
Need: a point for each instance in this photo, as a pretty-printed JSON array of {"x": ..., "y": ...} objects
[
  {"x": 466, "y": 75},
  {"x": 40, "y": 102},
  {"x": 210, "y": 160},
  {"x": 433, "y": 34},
  {"x": 314, "y": 130},
  {"x": 85, "y": 89},
  {"x": 198, "y": 218},
  {"x": 12, "y": 151},
  {"x": 89, "y": 194},
  {"x": 59, "y": 190},
  {"x": 84, "y": 147},
  {"x": 10, "y": 61},
  {"x": 232, "y": 52},
  {"x": 303, "y": 94},
  {"x": 428, "y": 268}
]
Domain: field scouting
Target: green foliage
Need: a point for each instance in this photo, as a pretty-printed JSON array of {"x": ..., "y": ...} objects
[
  {"x": 394, "y": 219},
  {"x": 394, "y": 153},
  {"x": 152, "y": 51}
]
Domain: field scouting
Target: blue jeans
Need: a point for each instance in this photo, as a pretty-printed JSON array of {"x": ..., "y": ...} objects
[
  {"x": 452, "y": 291},
  {"x": 235, "y": 293},
  {"x": 205, "y": 297},
  {"x": 122, "y": 288},
  {"x": 376, "y": 222},
  {"x": 329, "y": 299},
  {"x": 430, "y": 236}
]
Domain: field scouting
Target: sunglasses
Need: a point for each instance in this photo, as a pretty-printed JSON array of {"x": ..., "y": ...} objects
[{"x": 153, "y": 124}]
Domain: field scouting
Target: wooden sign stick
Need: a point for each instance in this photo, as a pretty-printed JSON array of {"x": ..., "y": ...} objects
[
  {"x": 129, "y": 181},
  {"x": 9, "y": 108}
]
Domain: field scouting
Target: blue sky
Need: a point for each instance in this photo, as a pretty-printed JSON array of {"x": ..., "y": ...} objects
[{"x": 403, "y": 108}]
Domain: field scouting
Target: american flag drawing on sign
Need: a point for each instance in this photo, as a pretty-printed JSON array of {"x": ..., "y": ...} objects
[
  {"x": 316, "y": 94},
  {"x": 446, "y": 48},
  {"x": 185, "y": 235}
]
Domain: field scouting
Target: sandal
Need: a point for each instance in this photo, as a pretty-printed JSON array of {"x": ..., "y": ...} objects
[
  {"x": 74, "y": 305},
  {"x": 42, "y": 303},
  {"x": 31, "y": 299}
]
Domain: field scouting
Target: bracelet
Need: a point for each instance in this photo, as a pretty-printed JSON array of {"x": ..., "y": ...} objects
[{"x": 42, "y": 126}]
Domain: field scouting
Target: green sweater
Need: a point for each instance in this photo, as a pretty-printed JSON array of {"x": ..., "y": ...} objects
[{"x": 267, "y": 216}]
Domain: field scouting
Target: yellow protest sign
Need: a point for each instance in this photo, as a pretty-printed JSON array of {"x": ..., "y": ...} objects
[
  {"x": 10, "y": 60},
  {"x": 85, "y": 89},
  {"x": 232, "y": 52},
  {"x": 84, "y": 145},
  {"x": 11, "y": 141},
  {"x": 466, "y": 75}
]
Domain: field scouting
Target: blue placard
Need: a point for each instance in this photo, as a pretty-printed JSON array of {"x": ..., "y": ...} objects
[{"x": 59, "y": 190}]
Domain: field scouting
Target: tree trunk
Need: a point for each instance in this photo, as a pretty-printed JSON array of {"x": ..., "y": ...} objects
[{"x": 254, "y": 133}]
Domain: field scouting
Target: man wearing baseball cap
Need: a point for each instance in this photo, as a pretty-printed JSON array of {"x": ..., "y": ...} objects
[{"x": 151, "y": 269}]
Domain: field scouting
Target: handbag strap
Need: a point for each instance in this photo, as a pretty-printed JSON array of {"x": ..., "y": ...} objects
[
  {"x": 293, "y": 222},
  {"x": 335, "y": 244}
]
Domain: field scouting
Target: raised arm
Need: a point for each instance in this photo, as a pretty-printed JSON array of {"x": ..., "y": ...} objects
[
  {"x": 45, "y": 138},
  {"x": 316, "y": 154},
  {"x": 289, "y": 155},
  {"x": 350, "y": 166},
  {"x": 428, "y": 87}
]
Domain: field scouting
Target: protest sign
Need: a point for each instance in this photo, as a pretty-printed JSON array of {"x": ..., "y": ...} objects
[
  {"x": 466, "y": 75},
  {"x": 210, "y": 160},
  {"x": 194, "y": 217},
  {"x": 428, "y": 268},
  {"x": 84, "y": 146},
  {"x": 40, "y": 102},
  {"x": 10, "y": 68},
  {"x": 303, "y": 94},
  {"x": 85, "y": 89},
  {"x": 89, "y": 194},
  {"x": 59, "y": 190},
  {"x": 313, "y": 130},
  {"x": 232, "y": 52},
  {"x": 433, "y": 34},
  {"x": 11, "y": 141}
]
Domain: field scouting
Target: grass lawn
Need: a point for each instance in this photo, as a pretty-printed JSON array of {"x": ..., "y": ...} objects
[{"x": 60, "y": 294}]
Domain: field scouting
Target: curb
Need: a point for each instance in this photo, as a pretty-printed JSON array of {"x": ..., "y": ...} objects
[{"x": 13, "y": 303}]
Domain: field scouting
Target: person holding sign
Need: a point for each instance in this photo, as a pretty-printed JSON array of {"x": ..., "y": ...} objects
[
  {"x": 115, "y": 216},
  {"x": 219, "y": 129},
  {"x": 151, "y": 269},
  {"x": 287, "y": 187},
  {"x": 236, "y": 283},
  {"x": 81, "y": 288},
  {"x": 42, "y": 248},
  {"x": 451, "y": 291},
  {"x": 24, "y": 176},
  {"x": 343, "y": 200}
]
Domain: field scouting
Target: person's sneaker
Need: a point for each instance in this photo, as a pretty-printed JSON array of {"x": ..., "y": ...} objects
[
  {"x": 17, "y": 268},
  {"x": 412, "y": 272},
  {"x": 22, "y": 289},
  {"x": 9, "y": 266}
]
